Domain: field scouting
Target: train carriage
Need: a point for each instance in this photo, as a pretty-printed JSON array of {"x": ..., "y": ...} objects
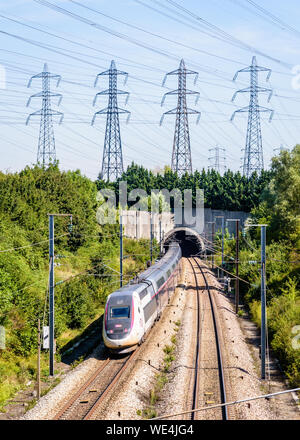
[{"x": 132, "y": 310}]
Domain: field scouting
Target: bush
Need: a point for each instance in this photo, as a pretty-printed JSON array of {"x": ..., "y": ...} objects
[{"x": 283, "y": 313}]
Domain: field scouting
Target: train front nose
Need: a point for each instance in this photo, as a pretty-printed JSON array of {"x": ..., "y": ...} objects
[
  {"x": 118, "y": 321},
  {"x": 118, "y": 331}
]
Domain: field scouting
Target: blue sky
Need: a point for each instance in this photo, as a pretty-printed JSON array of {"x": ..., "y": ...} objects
[{"x": 79, "y": 145}]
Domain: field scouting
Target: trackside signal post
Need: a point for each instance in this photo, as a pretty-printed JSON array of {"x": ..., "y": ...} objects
[{"x": 51, "y": 287}]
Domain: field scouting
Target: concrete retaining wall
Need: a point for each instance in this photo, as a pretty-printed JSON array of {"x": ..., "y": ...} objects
[{"x": 137, "y": 223}]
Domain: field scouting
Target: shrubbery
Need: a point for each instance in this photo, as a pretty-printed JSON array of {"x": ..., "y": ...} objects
[
  {"x": 85, "y": 275},
  {"x": 232, "y": 191},
  {"x": 280, "y": 209}
]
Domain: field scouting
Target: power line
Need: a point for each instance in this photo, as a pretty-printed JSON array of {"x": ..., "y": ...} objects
[
  {"x": 212, "y": 30},
  {"x": 275, "y": 20},
  {"x": 31, "y": 244},
  {"x": 154, "y": 34},
  {"x": 220, "y": 405},
  {"x": 76, "y": 43}
]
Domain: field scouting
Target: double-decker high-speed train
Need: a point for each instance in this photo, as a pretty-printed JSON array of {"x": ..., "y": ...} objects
[{"x": 131, "y": 311}]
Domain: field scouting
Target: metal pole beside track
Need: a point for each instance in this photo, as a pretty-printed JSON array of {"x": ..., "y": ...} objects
[
  {"x": 222, "y": 246},
  {"x": 121, "y": 251},
  {"x": 223, "y": 221},
  {"x": 237, "y": 281},
  {"x": 38, "y": 392},
  {"x": 213, "y": 240},
  {"x": 51, "y": 295},
  {"x": 151, "y": 239},
  {"x": 262, "y": 297},
  {"x": 51, "y": 287},
  {"x": 263, "y": 301}
]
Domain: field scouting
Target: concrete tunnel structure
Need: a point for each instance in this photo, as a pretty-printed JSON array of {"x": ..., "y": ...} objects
[{"x": 190, "y": 241}]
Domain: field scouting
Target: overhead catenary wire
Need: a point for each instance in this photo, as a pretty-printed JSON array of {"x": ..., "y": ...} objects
[
  {"x": 210, "y": 29},
  {"x": 32, "y": 244},
  {"x": 66, "y": 52},
  {"x": 220, "y": 405}
]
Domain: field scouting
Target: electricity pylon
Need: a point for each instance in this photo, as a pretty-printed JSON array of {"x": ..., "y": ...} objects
[
  {"x": 253, "y": 156},
  {"x": 281, "y": 148},
  {"x": 46, "y": 147},
  {"x": 181, "y": 155},
  {"x": 219, "y": 160},
  {"x": 112, "y": 162}
]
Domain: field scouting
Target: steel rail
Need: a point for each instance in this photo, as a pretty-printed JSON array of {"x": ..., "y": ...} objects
[
  {"x": 218, "y": 345},
  {"x": 110, "y": 386},
  {"x": 81, "y": 390},
  {"x": 196, "y": 380},
  {"x": 107, "y": 388}
]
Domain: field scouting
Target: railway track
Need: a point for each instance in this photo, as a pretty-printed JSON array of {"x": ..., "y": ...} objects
[
  {"x": 208, "y": 356},
  {"x": 83, "y": 404},
  {"x": 91, "y": 395}
]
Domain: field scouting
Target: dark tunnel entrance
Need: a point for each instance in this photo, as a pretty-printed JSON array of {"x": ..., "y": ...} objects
[{"x": 190, "y": 243}]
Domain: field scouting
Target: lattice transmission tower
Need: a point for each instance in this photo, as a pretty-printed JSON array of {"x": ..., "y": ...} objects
[
  {"x": 46, "y": 146},
  {"x": 253, "y": 156},
  {"x": 112, "y": 162},
  {"x": 281, "y": 148},
  {"x": 218, "y": 159},
  {"x": 181, "y": 154}
]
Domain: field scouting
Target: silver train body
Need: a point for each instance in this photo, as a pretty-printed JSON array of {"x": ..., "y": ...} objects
[{"x": 131, "y": 311}]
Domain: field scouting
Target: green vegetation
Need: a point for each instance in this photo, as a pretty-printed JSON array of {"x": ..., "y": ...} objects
[
  {"x": 161, "y": 378},
  {"x": 241, "y": 313},
  {"x": 85, "y": 273},
  {"x": 231, "y": 191},
  {"x": 279, "y": 207},
  {"x": 88, "y": 256}
]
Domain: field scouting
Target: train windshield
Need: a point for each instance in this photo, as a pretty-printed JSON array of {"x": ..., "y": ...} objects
[{"x": 120, "y": 312}]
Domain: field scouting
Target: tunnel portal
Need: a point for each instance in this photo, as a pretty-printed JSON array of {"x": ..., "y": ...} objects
[{"x": 190, "y": 241}]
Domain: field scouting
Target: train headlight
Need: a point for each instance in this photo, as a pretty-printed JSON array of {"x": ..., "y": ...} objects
[{"x": 109, "y": 332}]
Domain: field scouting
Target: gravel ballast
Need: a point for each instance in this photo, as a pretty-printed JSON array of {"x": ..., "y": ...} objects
[{"x": 241, "y": 364}]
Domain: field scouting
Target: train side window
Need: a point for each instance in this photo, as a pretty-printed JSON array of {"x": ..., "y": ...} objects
[
  {"x": 168, "y": 273},
  {"x": 160, "y": 282},
  {"x": 143, "y": 293}
]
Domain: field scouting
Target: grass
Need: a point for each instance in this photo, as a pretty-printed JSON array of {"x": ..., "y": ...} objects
[
  {"x": 70, "y": 337},
  {"x": 169, "y": 349},
  {"x": 77, "y": 362},
  {"x": 161, "y": 378},
  {"x": 53, "y": 385},
  {"x": 16, "y": 372},
  {"x": 31, "y": 404}
]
